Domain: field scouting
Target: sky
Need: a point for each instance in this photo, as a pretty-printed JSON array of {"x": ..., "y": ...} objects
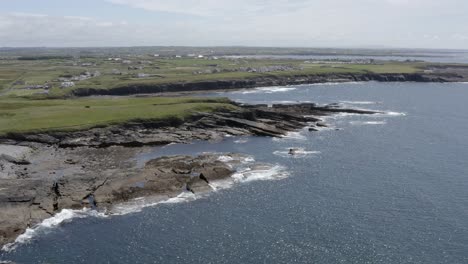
[{"x": 273, "y": 23}]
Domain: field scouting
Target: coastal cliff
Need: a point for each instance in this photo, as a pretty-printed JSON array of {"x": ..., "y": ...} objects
[{"x": 267, "y": 81}]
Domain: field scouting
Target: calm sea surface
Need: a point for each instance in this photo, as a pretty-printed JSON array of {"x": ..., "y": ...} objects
[
  {"x": 389, "y": 188},
  {"x": 443, "y": 57}
]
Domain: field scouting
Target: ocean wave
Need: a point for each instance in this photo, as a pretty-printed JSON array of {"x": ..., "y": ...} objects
[
  {"x": 260, "y": 173},
  {"x": 267, "y": 90},
  {"x": 66, "y": 215},
  {"x": 291, "y": 136},
  {"x": 241, "y": 141},
  {"x": 390, "y": 113},
  {"x": 368, "y": 122},
  {"x": 359, "y": 102},
  {"x": 382, "y": 114},
  {"x": 333, "y": 83}
]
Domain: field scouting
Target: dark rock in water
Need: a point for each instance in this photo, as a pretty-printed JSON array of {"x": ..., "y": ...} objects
[
  {"x": 321, "y": 124},
  {"x": 292, "y": 151}
]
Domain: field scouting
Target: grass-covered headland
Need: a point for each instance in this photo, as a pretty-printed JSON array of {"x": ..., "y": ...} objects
[{"x": 23, "y": 115}]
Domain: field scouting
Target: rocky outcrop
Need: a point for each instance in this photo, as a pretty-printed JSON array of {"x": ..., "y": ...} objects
[
  {"x": 260, "y": 120},
  {"x": 266, "y": 81},
  {"x": 25, "y": 202}
]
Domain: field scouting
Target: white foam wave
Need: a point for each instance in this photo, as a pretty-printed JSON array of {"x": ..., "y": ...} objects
[
  {"x": 138, "y": 204},
  {"x": 340, "y": 115},
  {"x": 289, "y": 102},
  {"x": 359, "y": 102},
  {"x": 233, "y": 159},
  {"x": 332, "y": 83},
  {"x": 66, "y": 215},
  {"x": 260, "y": 173},
  {"x": 382, "y": 114},
  {"x": 225, "y": 158},
  {"x": 267, "y": 90},
  {"x": 390, "y": 113},
  {"x": 183, "y": 197},
  {"x": 241, "y": 141},
  {"x": 298, "y": 153},
  {"x": 291, "y": 136},
  {"x": 368, "y": 122}
]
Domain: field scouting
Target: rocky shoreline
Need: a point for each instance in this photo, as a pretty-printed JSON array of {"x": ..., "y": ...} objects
[
  {"x": 260, "y": 120},
  {"x": 440, "y": 76},
  {"x": 43, "y": 173}
]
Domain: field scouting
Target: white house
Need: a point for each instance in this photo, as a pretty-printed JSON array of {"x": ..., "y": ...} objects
[{"x": 67, "y": 84}]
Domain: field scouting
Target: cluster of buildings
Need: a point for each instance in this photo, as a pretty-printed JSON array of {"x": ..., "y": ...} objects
[
  {"x": 70, "y": 82},
  {"x": 38, "y": 86}
]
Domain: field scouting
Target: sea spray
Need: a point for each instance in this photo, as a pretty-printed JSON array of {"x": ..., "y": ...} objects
[{"x": 66, "y": 215}]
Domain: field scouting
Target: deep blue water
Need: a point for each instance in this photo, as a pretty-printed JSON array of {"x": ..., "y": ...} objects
[{"x": 394, "y": 190}]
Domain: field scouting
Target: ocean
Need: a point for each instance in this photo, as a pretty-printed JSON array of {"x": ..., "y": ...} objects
[{"x": 385, "y": 188}]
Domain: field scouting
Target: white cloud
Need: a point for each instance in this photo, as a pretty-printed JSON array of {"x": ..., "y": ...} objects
[
  {"x": 397, "y": 23},
  {"x": 460, "y": 36},
  {"x": 45, "y": 30},
  {"x": 266, "y": 7},
  {"x": 213, "y": 7}
]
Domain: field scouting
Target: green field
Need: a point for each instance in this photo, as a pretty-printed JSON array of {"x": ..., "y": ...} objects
[
  {"x": 16, "y": 76},
  {"x": 23, "y": 115}
]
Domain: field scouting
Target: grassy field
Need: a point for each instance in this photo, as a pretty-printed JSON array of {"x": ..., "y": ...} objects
[
  {"x": 23, "y": 115},
  {"x": 17, "y": 75}
]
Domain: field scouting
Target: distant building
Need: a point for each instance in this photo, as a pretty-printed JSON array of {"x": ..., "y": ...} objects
[
  {"x": 143, "y": 75},
  {"x": 127, "y": 62},
  {"x": 67, "y": 84},
  {"x": 45, "y": 86}
]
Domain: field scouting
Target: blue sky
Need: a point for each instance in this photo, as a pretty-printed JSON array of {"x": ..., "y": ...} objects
[{"x": 303, "y": 23}]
